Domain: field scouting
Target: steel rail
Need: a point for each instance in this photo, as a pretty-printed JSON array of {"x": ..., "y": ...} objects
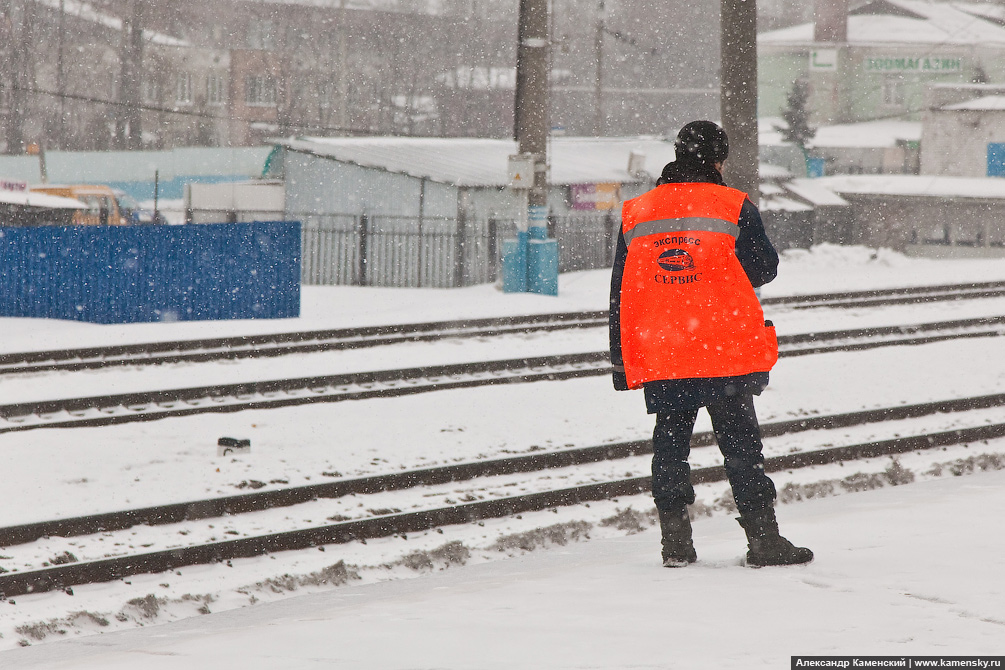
[
  {"x": 282, "y": 344},
  {"x": 906, "y": 296},
  {"x": 287, "y": 497},
  {"x": 153, "y": 405},
  {"x": 104, "y": 570}
]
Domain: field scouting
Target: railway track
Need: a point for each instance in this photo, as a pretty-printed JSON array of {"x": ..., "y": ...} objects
[
  {"x": 387, "y": 523},
  {"x": 281, "y": 344},
  {"x": 153, "y": 405}
]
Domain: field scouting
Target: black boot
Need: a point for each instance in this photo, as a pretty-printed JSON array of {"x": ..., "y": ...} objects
[
  {"x": 678, "y": 549},
  {"x": 766, "y": 546}
]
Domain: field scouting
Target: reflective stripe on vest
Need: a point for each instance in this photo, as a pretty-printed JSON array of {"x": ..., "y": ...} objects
[
  {"x": 687, "y": 307},
  {"x": 680, "y": 225}
]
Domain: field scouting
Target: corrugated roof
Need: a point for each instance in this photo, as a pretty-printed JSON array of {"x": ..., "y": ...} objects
[{"x": 484, "y": 162}]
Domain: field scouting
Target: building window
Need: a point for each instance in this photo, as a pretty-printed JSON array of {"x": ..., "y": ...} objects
[
  {"x": 183, "y": 93},
  {"x": 151, "y": 90},
  {"x": 325, "y": 96},
  {"x": 260, "y": 90},
  {"x": 261, "y": 34},
  {"x": 216, "y": 92},
  {"x": 893, "y": 92}
]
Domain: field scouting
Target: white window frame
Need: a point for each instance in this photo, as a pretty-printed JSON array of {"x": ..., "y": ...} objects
[
  {"x": 216, "y": 89},
  {"x": 259, "y": 90},
  {"x": 151, "y": 90},
  {"x": 183, "y": 88},
  {"x": 893, "y": 91}
]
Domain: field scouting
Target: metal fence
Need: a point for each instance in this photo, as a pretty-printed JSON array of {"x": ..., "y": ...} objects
[{"x": 435, "y": 252}]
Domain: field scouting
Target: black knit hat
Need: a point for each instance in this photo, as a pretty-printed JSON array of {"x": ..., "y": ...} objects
[{"x": 703, "y": 142}]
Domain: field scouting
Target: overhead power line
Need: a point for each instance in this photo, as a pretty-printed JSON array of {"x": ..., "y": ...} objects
[{"x": 185, "y": 112}]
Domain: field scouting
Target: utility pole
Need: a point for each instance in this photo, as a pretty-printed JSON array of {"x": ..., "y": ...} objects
[
  {"x": 60, "y": 77},
  {"x": 738, "y": 101},
  {"x": 598, "y": 102},
  {"x": 128, "y": 129},
  {"x": 531, "y": 129},
  {"x": 530, "y": 263},
  {"x": 18, "y": 68}
]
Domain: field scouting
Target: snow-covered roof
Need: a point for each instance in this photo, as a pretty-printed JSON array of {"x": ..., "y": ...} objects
[
  {"x": 41, "y": 200},
  {"x": 985, "y": 103},
  {"x": 868, "y": 134},
  {"x": 928, "y": 186},
  {"x": 769, "y": 171},
  {"x": 87, "y": 12},
  {"x": 985, "y": 10},
  {"x": 430, "y": 6},
  {"x": 783, "y": 204},
  {"x": 886, "y": 22},
  {"x": 484, "y": 162},
  {"x": 876, "y": 134},
  {"x": 479, "y": 78},
  {"x": 814, "y": 192}
]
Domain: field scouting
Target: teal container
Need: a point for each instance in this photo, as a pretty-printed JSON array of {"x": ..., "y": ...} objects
[
  {"x": 542, "y": 266},
  {"x": 514, "y": 264}
]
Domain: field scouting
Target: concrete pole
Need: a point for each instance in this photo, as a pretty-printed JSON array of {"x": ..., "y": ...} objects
[
  {"x": 598, "y": 119},
  {"x": 60, "y": 77},
  {"x": 533, "y": 257},
  {"x": 532, "y": 92},
  {"x": 738, "y": 101},
  {"x": 128, "y": 130}
]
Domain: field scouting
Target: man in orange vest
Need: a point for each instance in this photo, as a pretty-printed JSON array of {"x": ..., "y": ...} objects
[{"x": 687, "y": 327}]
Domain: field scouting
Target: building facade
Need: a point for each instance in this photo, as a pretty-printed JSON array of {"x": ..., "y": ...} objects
[{"x": 876, "y": 60}]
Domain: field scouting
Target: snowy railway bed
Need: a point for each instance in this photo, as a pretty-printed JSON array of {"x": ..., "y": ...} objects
[
  {"x": 282, "y": 344},
  {"x": 592, "y": 472},
  {"x": 152, "y": 405},
  {"x": 55, "y": 475}
]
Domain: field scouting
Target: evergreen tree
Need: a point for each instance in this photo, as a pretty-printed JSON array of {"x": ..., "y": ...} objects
[{"x": 797, "y": 116}]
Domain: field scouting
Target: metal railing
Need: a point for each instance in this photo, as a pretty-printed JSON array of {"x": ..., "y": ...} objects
[{"x": 434, "y": 252}]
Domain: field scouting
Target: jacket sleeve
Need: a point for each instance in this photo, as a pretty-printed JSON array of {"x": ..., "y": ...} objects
[
  {"x": 614, "y": 318},
  {"x": 753, "y": 248}
]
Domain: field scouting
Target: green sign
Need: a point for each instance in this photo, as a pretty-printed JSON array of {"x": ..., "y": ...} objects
[{"x": 922, "y": 64}]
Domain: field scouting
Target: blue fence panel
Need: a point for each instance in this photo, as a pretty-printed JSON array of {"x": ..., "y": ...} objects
[{"x": 121, "y": 274}]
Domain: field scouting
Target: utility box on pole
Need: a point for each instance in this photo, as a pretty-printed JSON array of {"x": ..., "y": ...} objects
[{"x": 514, "y": 253}]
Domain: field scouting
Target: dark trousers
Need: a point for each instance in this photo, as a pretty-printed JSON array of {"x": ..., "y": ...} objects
[{"x": 739, "y": 436}]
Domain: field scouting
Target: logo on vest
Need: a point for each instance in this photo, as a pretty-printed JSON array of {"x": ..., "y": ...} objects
[{"x": 675, "y": 260}]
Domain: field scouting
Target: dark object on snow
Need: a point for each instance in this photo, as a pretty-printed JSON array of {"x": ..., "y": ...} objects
[
  {"x": 678, "y": 549},
  {"x": 766, "y": 546},
  {"x": 232, "y": 445}
]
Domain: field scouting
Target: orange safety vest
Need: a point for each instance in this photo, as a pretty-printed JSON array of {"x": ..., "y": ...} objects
[{"x": 687, "y": 307}]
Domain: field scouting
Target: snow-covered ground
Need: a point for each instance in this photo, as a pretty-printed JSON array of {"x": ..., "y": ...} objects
[
  {"x": 907, "y": 571},
  {"x": 53, "y": 473}
]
